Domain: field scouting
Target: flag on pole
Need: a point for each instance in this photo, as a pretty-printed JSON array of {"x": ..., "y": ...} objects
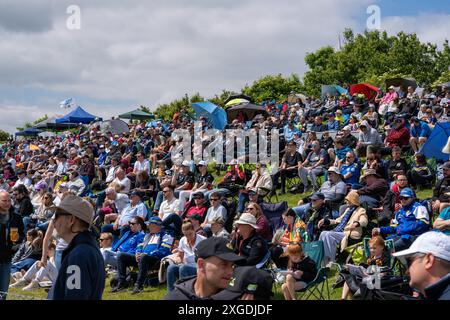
[{"x": 67, "y": 103}]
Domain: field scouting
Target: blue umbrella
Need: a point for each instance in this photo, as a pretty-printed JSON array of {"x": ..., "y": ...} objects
[{"x": 213, "y": 113}]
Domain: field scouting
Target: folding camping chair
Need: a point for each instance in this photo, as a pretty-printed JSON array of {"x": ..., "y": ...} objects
[
  {"x": 394, "y": 264},
  {"x": 273, "y": 212},
  {"x": 319, "y": 285}
]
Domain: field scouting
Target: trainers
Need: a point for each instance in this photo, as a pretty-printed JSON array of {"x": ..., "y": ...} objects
[
  {"x": 137, "y": 289},
  {"x": 31, "y": 286},
  {"x": 120, "y": 287},
  {"x": 20, "y": 283}
]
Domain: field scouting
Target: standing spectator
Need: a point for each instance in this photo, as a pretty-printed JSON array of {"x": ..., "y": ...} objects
[
  {"x": 82, "y": 258},
  {"x": 10, "y": 237}
]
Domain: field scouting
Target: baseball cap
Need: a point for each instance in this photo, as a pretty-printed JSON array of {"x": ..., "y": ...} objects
[
  {"x": 407, "y": 192},
  {"x": 216, "y": 247},
  {"x": 185, "y": 163},
  {"x": 202, "y": 163},
  {"x": 347, "y": 128},
  {"x": 317, "y": 195},
  {"x": 195, "y": 216},
  {"x": 154, "y": 220},
  {"x": 199, "y": 195},
  {"x": 334, "y": 169},
  {"x": 136, "y": 193},
  {"x": 76, "y": 206},
  {"x": 248, "y": 279},
  {"x": 434, "y": 242}
]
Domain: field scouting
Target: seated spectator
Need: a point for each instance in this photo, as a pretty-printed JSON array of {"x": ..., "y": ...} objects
[
  {"x": 247, "y": 243},
  {"x": 317, "y": 210},
  {"x": 169, "y": 211},
  {"x": 374, "y": 161},
  {"x": 291, "y": 232},
  {"x": 332, "y": 123},
  {"x": 217, "y": 228},
  {"x": 301, "y": 270},
  {"x": 22, "y": 179},
  {"x": 76, "y": 184},
  {"x": 442, "y": 222},
  {"x": 216, "y": 210},
  {"x": 196, "y": 221},
  {"x": 318, "y": 125},
  {"x": 260, "y": 182},
  {"x": 116, "y": 202},
  {"x": 369, "y": 139},
  {"x": 348, "y": 226},
  {"x": 232, "y": 181},
  {"x": 348, "y": 139},
  {"x": 198, "y": 206},
  {"x": 122, "y": 180},
  {"x": 183, "y": 179},
  {"x": 420, "y": 131},
  {"x": 428, "y": 263},
  {"x": 398, "y": 135},
  {"x": 135, "y": 208},
  {"x": 374, "y": 188},
  {"x": 441, "y": 192},
  {"x": 127, "y": 243},
  {"x": 37, "y": 197},
  {"x": 261, "y": 221},
  {"x": 350, "y": 169},
  {"x": 37, "y": 272},
  {"x": 410, "y": 221},
  {"x": 184, "y": 260},
  {"x": 141, "y": 164},
  {"x": 326, "y": 142},
  {"x": 149, "y": 186},
  {"x": 337, "y": 155},
  {"x": 391, "y": 202},
  {"x": 397, "y": 165},
  {"x": 313, "y": 166},
  {"x": 379, "y": 256},
  {"x": 420, "y": 174},
  {"x": 156, "y": 245},
  {"x": 289, "y": 167},
  {"x": 289, "y": 130},
  {"x": 203, "y": 183},
  {"x": 44, "y": 212},
  {"x": 28, "y": 253}
]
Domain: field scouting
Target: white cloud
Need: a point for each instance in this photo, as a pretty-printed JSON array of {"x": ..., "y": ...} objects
[{"x": 149, "y": 52}]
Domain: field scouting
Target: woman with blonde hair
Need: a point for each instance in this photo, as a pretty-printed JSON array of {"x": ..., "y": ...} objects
[{"x": 261, "y": 220}]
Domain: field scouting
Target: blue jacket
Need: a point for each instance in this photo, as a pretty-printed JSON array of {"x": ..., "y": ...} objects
[
  {"x": 422, "y": 130},
  {"x": 158, "y": 245},
  {"x": 412, "y": 220},
  {"x": 129, "y": 242},
  {"x": 101, "y": 157},
  {"x": 82, "y": 272},
  {"x": 333, "y": 126}
]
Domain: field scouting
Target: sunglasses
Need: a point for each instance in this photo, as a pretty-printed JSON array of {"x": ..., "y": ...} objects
[
  {"x": 404, "y": 198},
  {"x": 61, "y": 213},
  {"x": 132, "y": 223},
  {"x": 165, "y": 191},
  {"x": 214, "y": 199},
  {"x": 103, "y": 240},
  {"x": 250, "y": 208},
  {"x": 410, "y": 260}
]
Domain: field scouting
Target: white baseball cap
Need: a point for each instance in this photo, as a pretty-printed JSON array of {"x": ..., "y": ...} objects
[
  {"x": 434, "y": 242},
  {"x": 347, "y": 128}
]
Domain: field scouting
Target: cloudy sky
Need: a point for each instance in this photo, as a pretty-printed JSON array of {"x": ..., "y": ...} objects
[{"x": 128, "y": 53}]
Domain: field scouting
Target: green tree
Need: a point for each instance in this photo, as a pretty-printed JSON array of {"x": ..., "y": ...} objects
[
  {"x": 273, "y": 87},
  {"x": 4, "y": 136}
]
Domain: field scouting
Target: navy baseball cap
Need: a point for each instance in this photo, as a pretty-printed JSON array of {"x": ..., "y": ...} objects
[
  {"x": 155, "y": 220},
  {"x": 407, "y": 193},
  {"x": 317, "y": 195},
  {"x": 216, "y": 247}
]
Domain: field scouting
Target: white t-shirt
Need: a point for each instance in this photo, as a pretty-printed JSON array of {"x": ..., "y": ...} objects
[
  {"x": 121, "y": 202},
  {"x": 125, "y": 183},
  {"x": 189, "y": 255},
  {"x": 130, "y": 212},
  {"x": 212, "y": 213},
  {"x": 142, "y": 166},
  {"x": 168, "y": 207}
]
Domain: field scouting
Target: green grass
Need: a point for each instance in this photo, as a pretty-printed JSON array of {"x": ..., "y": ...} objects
[{"x": 157, "y": 293}]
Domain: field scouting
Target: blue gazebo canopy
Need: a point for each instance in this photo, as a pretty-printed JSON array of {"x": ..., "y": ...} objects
[
  {"x": 213, "y": 113},
  {"x": 78, "y": 116}
]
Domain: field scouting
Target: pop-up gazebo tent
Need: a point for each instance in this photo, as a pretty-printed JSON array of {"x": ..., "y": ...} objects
[
  {"x": 137, "y": 114},
  {"x": 332, "y": 89},
  {"x": 78, "y": 116},
  {"x": 50, "y": 123}
]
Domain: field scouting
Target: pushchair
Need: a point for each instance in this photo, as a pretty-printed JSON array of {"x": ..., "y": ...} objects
[{"x": 391, "y": 288}]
